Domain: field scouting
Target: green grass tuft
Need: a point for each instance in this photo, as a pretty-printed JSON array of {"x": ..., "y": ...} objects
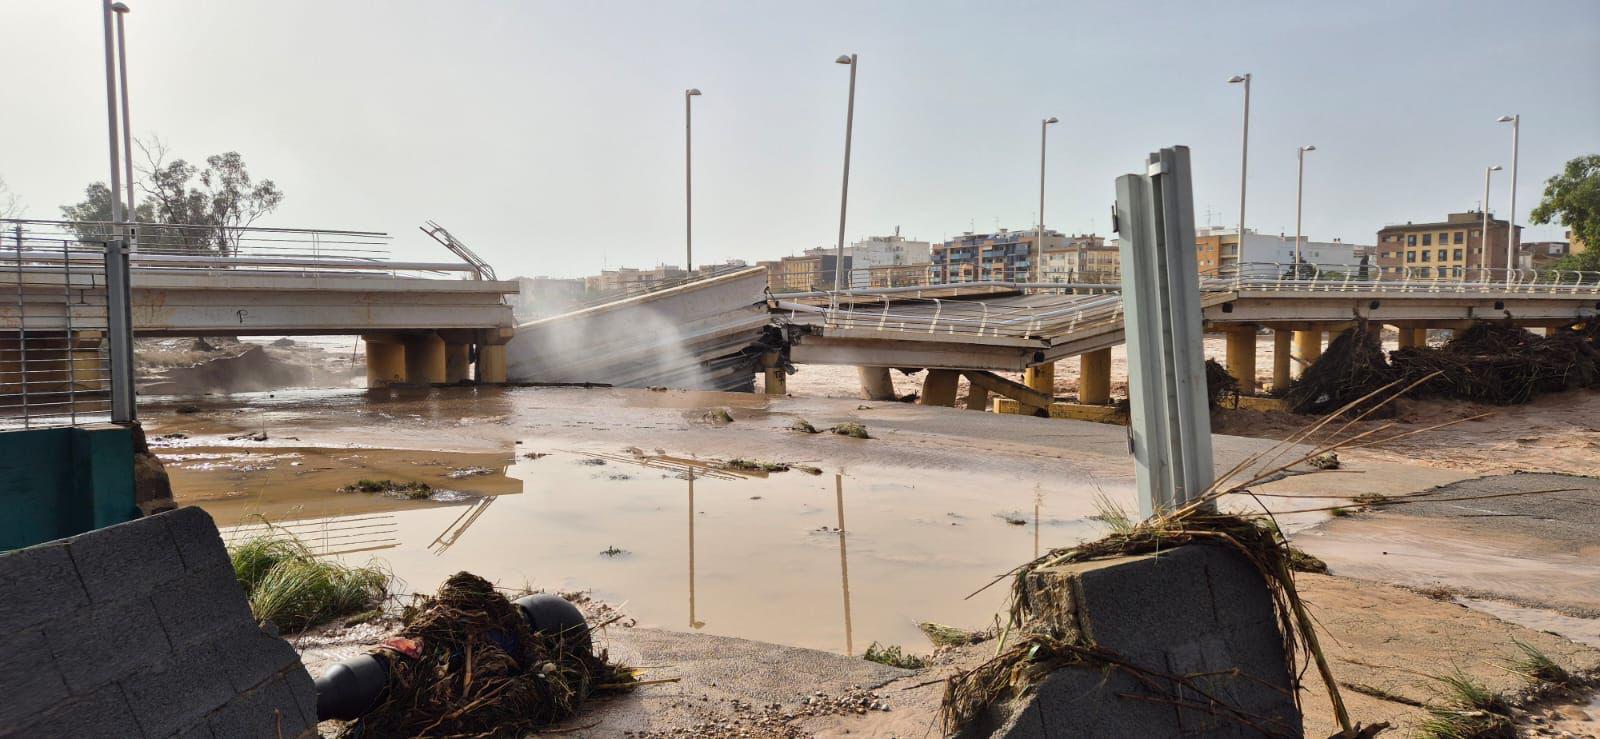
[
  {"x": 1470, "y": 711},
  {"x": 893, "y": 657},
  {"x": 1114, "y": 516},
  {"x": 852, "y": 430},
  {"x": 803, "y": 426},
  {"x": 1538, "y": 667},
  {"x": 290, "y": 587}
]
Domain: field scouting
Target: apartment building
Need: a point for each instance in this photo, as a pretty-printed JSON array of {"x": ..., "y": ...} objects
[
  {"x": 889, "y": 260},
  {"x": 1082, "y": 258},
  {"x": 1003, "y": 255},
  {"x": 1219, "y": 251},
  {"x": 1445, "y": 248}
]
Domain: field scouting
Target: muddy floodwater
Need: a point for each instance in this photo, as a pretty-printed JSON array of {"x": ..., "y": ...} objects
[{"x": 628, "y": 494}]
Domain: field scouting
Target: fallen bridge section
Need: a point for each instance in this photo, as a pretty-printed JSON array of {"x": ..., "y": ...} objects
[{"x": 706, "y": 334}]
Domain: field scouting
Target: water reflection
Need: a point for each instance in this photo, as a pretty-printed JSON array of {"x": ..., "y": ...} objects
[{"x": 844, "y": 566}]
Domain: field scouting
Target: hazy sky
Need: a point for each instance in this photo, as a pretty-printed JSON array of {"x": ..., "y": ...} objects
[{"x": 549, "y": 135}]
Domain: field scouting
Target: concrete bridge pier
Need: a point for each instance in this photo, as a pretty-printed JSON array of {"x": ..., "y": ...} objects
[
  {"x": 56, "y": 363},
  {"x": 1041, "y": 377},
  {"x": 386, "y": 361},
  {"x": 1308, "y": 346},
  {"x": 875, "y": 383},
  {"x": 424, "y": 359},
  {"x": 774, "y": 381},
  {"x": 1094, "y": 377},
  {"x": 1282, "y": 359},
  {"x": 939, "y": 388},
  {"x": 492, "y": 361},
  {"x": 457, "y": 361},
  {"x": 1241, "y": 357}
]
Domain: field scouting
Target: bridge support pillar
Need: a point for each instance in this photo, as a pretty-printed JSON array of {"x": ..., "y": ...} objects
[
  {"x": 386, "y": 362},
  {"x": 1094, "y": 377},
  {"x": 977, "y": 398},
  {"x": 1408, "y": 337},
  {"x": 1308, "y": 346},
  {"x": 1041, "y": 377},
  {"x": 1241, "y": 358},
  {"x": 1421, "y": 339},
  {"x": 939, "y": 388},
  {"x": 492, "y": 364},
  {"x": 774, "y": 380},
  {"x": 876, "y": 383},
  {"x": 1282, "y": 357},
  {"x": 424, "y": 359},
  {"x": 457, "y": 362}
]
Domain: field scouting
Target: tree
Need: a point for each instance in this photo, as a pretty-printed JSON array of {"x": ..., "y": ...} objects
[
  {"x": 225, "y": 202},
  {"x": 92, "y": 215},
  {"x": 1573, "y": 197},
  {"x": 10, "y": 204}
]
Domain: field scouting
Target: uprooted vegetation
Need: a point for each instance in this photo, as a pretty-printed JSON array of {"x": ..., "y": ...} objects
[
  {"x": 1468, "y": 710},
  {"x": 893, "y": 656},
  {"x": 410, "y": 489},
  {"x": 1495, "y": 363},
  {"x": 478, "y": 669},
  {"x": 290, "y": 587},
  {"x": 852, "y": 429}
]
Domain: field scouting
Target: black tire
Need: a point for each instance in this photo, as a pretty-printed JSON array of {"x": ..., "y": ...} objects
[{"x": 350, "y": 688}]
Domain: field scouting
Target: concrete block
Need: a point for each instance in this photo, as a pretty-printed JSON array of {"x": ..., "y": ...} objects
[
  {"x": 103, "y": 713},
  {"x": 126, "y": 560},
  {"x": 252, "y": 656},
  {"x": 29, "y": 680},
  {"x": 198, "y": 605},
  {"x": 1183, "y": 611},
  {"x": 80, "y": 641},
  {"x": 180, "y": 693},
  {"x": 199, "y": 543},
  {"x": 38, "y": 584},
  {"x": 267, "y": 712}
]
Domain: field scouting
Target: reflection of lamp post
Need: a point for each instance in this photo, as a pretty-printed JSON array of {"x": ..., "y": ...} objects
[
  {"x": 844, "y": 565},
  {"x": 844, "y": 190},
  {"x": 1483, "y": 240},
  {"x": 1299, "y": 196},
  {"x": 693, "y": 624},
  {"x": 688, "y": 183},
  {"x": 1511, "y": 218},
  {"x": 1038, "y": 239}
]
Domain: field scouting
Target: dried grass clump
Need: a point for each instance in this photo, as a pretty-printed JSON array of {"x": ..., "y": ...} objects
[
  {"x": 852, "y": 430},
  {"x": 892, "y": 656},
  {"x": 288, "y": 586},
  {"x": 479, "y": 670},
  {"x": 409, "y": 489}
]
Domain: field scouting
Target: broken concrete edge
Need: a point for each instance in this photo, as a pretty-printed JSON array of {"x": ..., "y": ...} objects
[
  {"x": 1178, "y": 641},
  {"x": 141, "y": 629}
]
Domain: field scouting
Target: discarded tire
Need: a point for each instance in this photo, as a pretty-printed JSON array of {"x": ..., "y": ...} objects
[
  {"x": 553, "y": 614},
  {"x": 351, "y": 687}
]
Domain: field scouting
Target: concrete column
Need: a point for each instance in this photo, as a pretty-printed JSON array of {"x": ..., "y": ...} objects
[
  {"x": 774, "y": 381},
  {"x": 1308, "y": 346},
  {"x": 1421, "y": 339},
  {"x": 492, "y": 364},
  {"x": 876, "y": 384},
  {"x": 1241, "y": 358},
  {"x": 1282, "y": 359},
  {"x": 386, "y": 363},
  {"x": 457, "y": 362},
  {"x": 424, "y": 359},
  {"x": 1094, "y": 377},
  {"x": 1041, "y": 377},
  {"x": 939, "y": 388},
  {"x": 977, "y": 398},
  {"x": 1408, "y": 337}
]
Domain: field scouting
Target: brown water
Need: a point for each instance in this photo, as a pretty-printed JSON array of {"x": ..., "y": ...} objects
[{"x": 528, "y": 490}]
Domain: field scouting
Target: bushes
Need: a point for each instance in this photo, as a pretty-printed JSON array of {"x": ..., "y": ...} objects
[{"x": 288, "y": 586}]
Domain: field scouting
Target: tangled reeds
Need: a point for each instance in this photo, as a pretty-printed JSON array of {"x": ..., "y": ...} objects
[
  {"x": 290, "y": 587},
  {"x": 466, "y": 663},
  {"x": 1496, "y": 363}
]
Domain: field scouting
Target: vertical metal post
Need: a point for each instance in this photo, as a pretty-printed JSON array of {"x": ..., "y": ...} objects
[
  {"x": 127, "y": 126},
  {"x": 844, "y": 189},
  {"x": 1483, "y": 236},
  {"x": 22, "y": 332},
  {"x": 1244, "y": 162},
  {"x": 1170, "y": 428},
  {"x": 1511, "y": 219},
  {"x": 111, "y": 121},
  {"x": 688, "y": 180},
  {"x": 72, "y": 337},
  {"x": 119, "y": 329}
]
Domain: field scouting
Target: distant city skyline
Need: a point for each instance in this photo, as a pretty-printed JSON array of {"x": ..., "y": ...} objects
[{"x": 549, "y": 136}]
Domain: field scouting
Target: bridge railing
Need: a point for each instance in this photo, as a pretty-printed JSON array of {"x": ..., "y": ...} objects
[
  {"x": 54, "y": 361},
  {"x": 1407, "y": 279}
]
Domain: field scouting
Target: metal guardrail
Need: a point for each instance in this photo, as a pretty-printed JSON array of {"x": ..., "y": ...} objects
[
  {"x": 591, "y": 300},
  {"x": 54, "y": 364},
  {"x": 1050, "y": 312}
]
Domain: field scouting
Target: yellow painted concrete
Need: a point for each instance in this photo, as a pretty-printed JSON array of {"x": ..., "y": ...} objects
[
  {"x": 386, "y": 363},
  {"x": 1070, "y": 411},
  {"x": 1307, "y": 346},
  {"x": 1282, "y": 359},
  {"x": 424, "y": 359},
  {"x": 1421, "y": 339},
  {"x": 457, "y": 363},
  {"x": 492, "y": 363},
  {"x": 1094, "y": 377},
  {"x": 977, "y": 398},
  {"x": 1041, "y": 377},
  {"x": 1241, "y": 358},
  {"x": 1408, "y": 338},
  {"x": 940, "y": 387}
]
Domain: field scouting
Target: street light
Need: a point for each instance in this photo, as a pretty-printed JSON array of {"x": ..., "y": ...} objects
[
  {"x": 1244, "y": 152},
  {"x": 121, "y": 9},
  {"x": 1511, "y": 220},
  {"x": 1038, "y": 241},
  {"x": 1483, "y": 236},
  {"x": 844, "y": 190},
  {"x": 688, "y": 181},
  {"x": 1299, "y": 198}
]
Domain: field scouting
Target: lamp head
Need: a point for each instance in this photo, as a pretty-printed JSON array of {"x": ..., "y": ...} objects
[
  {"x": 1236, "y": 79},
  {"x": 1308, "y": 147},
  {"x": 692, "y": 91},
  {"x": 120, "y": 8},
  {"x": 1051, "y": 119},
  {"x": 1504, "y": 119},
  {"x": 844, "y": 59},
  {"x": 1496, "y": 168}
]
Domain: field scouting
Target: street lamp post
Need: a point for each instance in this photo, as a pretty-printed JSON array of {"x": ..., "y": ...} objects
[
  {"x": 688, "y": 180},
  {"x": 1483, "y": 236},
  {"x": 1038, "y": 240},
  {"x": 119, "y": 323},
  {"x": 1299, "y": 199},
  {"x": 121, "y": 9},
  {"x": 844, "y": 190},
  {"x": 1511, "y": 219},
  {"x": 1244, "y": 151}
]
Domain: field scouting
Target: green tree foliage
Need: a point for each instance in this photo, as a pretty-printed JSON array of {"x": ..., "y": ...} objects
[
  {"x": 1573, "y": 197},
  {"x": 10, "y": 205},
  {"x": 93, "y": 214}
]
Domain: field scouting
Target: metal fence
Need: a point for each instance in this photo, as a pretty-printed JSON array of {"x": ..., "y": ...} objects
[{"x": 54, "y": 330}]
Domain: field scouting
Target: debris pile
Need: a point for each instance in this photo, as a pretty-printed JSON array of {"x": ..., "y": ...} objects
[
  {"x": 466, "y": 663},
  {"x": 1352, "y": 368}
]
